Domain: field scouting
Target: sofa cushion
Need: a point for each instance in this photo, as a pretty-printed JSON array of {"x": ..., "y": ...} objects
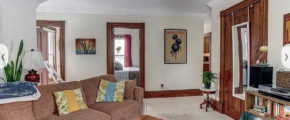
[
  {"x": 129, "y": 89},
  {"x": 17, "y": 111},
  {"x": 91, "y": 87},
  {"x": 46, "y": 104},
  {"x": 87, "y": 114},
  {"x": 126, "y": 110}
]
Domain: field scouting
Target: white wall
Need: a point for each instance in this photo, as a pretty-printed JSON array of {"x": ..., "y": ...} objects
[
  {"x": 18, "y": 21},
  {"x": 207, "y": 23},
  {"x": 215, "y": 43},
  {"x": 277, "y": 9},
  {"x": 174, "y": 77},
  {"x": 135, "y": 43}
]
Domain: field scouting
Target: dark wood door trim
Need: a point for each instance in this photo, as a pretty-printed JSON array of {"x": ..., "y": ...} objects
[
  {"x": 61, "y": 25},
  {"x": 110, "y": 47},
  {"x": 258, "y": 19},
  {"x": 239, "y": 6}
]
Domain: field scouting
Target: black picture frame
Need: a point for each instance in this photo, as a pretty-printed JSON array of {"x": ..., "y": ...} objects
[{"x": 165, "y": 48}]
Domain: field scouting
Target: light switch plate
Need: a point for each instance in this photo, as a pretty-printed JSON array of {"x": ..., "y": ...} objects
[
  {"x": 3, "y": 51},
  {"x": 286, "y": 56}
]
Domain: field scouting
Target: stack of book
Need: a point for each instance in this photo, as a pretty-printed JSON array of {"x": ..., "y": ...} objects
[{"x": 266, "y": 107}]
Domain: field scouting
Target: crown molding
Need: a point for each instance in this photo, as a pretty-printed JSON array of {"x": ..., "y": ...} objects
[
  {"x": 41, "y": 1},
  {"x": 214, "y": 3},
  {"x": 118, "y": 12}
]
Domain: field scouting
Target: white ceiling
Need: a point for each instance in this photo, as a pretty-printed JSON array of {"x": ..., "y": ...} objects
[{"x": 128, "y": 7}]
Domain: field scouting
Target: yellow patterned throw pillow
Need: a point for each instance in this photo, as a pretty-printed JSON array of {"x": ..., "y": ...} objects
[
  {"x": 111, "y": 92},
  {"x": 69, "y": 101}
]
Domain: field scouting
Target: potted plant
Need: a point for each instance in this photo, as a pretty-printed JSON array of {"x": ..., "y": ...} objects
[
  {"x": 208, "y": 77},
  {"x": 13, "y": 72},
  {"x": 118, "y": 49}
]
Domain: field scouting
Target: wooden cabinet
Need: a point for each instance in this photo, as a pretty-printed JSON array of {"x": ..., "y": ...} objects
[
  {"x": 206, "y": 52},
  {"x": 207, "y": 39}
]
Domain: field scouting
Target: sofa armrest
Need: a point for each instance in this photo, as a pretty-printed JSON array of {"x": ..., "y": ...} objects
[{"x": 139, "y": 96}]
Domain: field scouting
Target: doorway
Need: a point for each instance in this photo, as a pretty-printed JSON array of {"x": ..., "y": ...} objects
[
  {"x": 118, "y": 39},
  {"x": 50, "y": 42},
  {"x": 207, "y": 53}
]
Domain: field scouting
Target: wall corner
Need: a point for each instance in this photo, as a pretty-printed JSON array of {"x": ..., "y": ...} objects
[{"x": 214, "y": 3}]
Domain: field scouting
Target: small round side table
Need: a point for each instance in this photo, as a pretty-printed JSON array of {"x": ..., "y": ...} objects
[{"x": 207, "y": 101}]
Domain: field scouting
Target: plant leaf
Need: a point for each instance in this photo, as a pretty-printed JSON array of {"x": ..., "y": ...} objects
[
  {"x": 2, "y": 79},
  {"x": 19, "y": 53},
  {"x": 18, "y": 72},
  {"x": 12, "y": 70},
  {"x": 8, "y": 73}
]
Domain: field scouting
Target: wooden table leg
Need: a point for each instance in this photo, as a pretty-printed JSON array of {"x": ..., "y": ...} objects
[
  {"x": 207, "y": 102},
  {"x": 204, "y": 102}
]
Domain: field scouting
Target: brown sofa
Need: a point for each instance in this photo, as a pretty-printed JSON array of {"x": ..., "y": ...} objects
[{"x": 45, "y": 107}]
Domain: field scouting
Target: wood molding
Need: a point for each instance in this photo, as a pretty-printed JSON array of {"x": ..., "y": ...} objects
[
  {"x": 61, "y": 25},
  {"x": 239, "y": 6},
  {"x": 110, "y": 47},
  {"x": 258, "y": 19},
  {"x": 173, "y": 93}
]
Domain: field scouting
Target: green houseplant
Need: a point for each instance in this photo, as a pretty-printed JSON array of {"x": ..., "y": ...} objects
[
  {"x": 208, "y": 77},
  {"x": 13, "y": 72},
  {"x": 118, "y": 49}
]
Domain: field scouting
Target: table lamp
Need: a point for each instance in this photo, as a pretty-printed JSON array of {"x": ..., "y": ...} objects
[
  {"x": 32, "y": 61},
  {"x": 263, "y": 49}
]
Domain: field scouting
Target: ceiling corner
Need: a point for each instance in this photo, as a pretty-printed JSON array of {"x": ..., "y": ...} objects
[
  {"x": 41, "y": 1},
  {"x": 214, "y": 3}
]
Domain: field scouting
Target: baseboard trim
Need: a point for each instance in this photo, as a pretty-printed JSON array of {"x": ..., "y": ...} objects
[{"x": 172, "y": 93}]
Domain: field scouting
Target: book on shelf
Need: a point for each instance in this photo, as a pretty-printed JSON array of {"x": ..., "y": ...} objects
[
  {"x": 281, "y": 109},
  {"x": 268, "y": 107}
]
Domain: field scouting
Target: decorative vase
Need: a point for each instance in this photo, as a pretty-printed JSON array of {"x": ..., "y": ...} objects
[
  {"x": 207, "y": 85},
  {"x": 32, "y": 76}
]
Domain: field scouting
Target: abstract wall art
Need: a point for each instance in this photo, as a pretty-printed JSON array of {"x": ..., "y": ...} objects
[
  {"x": 175, "y": 46},
  {"x": 85, "y": 46}
]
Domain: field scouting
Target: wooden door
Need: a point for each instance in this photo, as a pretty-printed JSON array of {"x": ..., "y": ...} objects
[
  {"x": 42, "y": 46},
  {"x": 253, "y": 11}
]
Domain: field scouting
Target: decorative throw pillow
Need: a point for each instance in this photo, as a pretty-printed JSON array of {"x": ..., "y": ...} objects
[
  {"x": 111, "y": 92},
  {"x": 129, "y": 89},
  {"x": 69, "y": 101},
  {"x": 118, "y": 65}
]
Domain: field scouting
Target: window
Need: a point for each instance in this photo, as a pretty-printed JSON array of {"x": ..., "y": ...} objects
[
  {"x": 50, "y": 49},
  {"x": 120, "y": 50}
]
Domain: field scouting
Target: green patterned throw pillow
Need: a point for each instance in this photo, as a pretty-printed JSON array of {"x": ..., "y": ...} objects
[{"x": 111, "y": 92}]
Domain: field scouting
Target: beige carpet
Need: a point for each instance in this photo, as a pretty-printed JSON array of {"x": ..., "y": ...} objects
[{"x": 180, "y": 108}]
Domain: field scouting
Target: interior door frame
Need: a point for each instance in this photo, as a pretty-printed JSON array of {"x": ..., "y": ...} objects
[
  {"x": 228, "y": 104},
  {"x": 110, "y": 47},
  {"x": 61, "y": 25}
]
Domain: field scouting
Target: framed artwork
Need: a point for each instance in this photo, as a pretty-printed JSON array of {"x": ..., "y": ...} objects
[
  {"x": 85, "y": 46},
  {"x": 286, "y": 30},
  {"x": 175, "y": 46}
]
